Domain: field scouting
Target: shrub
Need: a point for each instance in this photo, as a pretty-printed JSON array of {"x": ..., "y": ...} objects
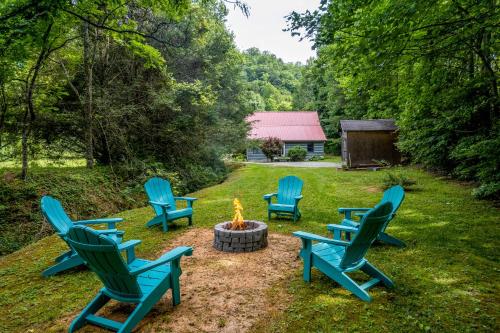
[
  {"x": 316, "y": 158},
  {"x": 392, "y": 179},
  {"x": 297, "y": 154},
  {"x": 332, "y": 146},
  {"x": 271, "y": 147}
]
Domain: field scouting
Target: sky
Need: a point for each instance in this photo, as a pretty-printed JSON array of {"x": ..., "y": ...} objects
[{"x": 263, "y": 28}]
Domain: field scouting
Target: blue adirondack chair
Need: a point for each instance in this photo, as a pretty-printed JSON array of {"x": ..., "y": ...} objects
[
  {"x": 54, "y": 213},
  {"x": 164, "y": 205},
  {"x": 287, "y": 198},
  {"x": 395, "y": 195},
  {"x": 139, "y": 281},
  {"x": 336, "y": 257}
]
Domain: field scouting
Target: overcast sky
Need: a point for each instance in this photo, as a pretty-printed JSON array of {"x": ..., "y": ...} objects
[{"x": 263, "y": 29}]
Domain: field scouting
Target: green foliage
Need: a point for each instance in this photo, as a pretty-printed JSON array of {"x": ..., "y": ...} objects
[
  {"x": 20, "y": 219},
  {"x": 316, "y": 158},
  {"x": 393, "y": 179},
  {"x": 167, "y": 86},
  {"x": 107, "y": 191},
  {"x": 430, "y": 65},
  {"x": 271, "y": 147},
  {"x": 297, "y": 153},
  {"x": 271, "y": 83},
  {"x": 333, "y": 146}
]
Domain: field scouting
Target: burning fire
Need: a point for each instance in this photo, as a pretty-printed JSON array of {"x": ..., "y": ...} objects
[{"x": 237, "y": 223}]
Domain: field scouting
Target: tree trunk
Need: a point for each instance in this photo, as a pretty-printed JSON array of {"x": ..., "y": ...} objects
[
  {"x": 3, "y": 109},
  {"x": 87, "y": 105},
  {"x": 29, "y": 115},
  {"x": 24, "y": 145}
]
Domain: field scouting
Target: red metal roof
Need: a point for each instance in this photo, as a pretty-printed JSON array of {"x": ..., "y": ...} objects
[{"x": 286, "y": 125}]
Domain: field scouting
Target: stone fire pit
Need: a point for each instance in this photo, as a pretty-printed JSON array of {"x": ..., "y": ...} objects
[{"x": 253, "y": 238}]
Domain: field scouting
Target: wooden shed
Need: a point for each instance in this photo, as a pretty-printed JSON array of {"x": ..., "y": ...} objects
[{"x": 364, "y": 142}]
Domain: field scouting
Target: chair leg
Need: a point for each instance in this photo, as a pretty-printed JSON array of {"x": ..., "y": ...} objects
[
  {"x": 374, "y": 272},
  {"x": 98, "y": 302},
  {"x": 155, "y": 220},
  {"x": 190, "y": 220},
  {"x": 268, "y": 215},
  {"x": 64, "y": 256},
  {"x": 140, "y": 311},
  {"x": 165, "y": 225},
  {"x": 388, "y": 239},
  {"x": 345, "y": 281},
  {"x": 65, "y": 264},
  {"x": 175, "y": 272},
  {"x": 307, "y": 269}
]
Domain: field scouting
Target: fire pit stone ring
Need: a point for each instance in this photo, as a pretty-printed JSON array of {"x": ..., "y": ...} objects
[{"x": 251, "y": 239}]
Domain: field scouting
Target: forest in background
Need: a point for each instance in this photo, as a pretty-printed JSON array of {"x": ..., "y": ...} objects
[
  {"x": 431, "y": 65},
  {"x": 133, "y": 88}
]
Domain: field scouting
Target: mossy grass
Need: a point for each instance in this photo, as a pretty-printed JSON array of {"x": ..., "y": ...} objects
[{"x": 446, "y": 279}]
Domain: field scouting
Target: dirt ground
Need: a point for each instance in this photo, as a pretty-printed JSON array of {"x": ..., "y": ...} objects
[{"x": 220, "y": 292}]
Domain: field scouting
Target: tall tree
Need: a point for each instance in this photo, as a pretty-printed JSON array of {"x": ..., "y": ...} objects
[{"x": 431, "y": 65}]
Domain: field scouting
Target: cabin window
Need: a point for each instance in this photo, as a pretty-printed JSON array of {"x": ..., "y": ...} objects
[{"x": 310, "y": 147}]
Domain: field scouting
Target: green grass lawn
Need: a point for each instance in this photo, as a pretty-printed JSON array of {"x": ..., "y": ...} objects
[
  {"x": 332, "y": 158},
  {"x": 447, "y": 279}
]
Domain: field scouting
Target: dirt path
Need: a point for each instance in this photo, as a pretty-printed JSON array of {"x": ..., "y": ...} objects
[
  {"x": 226, "y": 292},
  {"x": 220, "y": 292}
]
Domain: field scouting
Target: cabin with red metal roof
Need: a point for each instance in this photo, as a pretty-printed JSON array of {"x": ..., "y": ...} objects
[{"x": 293, "y": 128}]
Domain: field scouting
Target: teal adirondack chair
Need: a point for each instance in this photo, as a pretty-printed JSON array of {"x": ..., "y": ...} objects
[
  {"x": 54, "y": 213},
  {"x": 395, "y": 195},
  {"x": 287, "y": 198},
  {"x": 139, "y": 281},
  {"x": 164, "y": 205},
  {"x": 336, "y": 257}
]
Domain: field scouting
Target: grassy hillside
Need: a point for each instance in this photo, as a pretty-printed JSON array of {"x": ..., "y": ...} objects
[
  {"x": 84, "y": 193},
  {"x": 446, "y": 279}
]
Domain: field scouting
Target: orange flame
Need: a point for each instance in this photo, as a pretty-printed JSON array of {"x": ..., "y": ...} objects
[{"x": 238, "y": 222}]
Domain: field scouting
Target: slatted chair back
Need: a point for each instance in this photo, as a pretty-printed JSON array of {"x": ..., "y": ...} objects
[
  {"x": 370, "y": 226},
  {"x": 100, "y": 253},
  {"x": 288, "y": 188},
  {"x": 159, "y": 189},
  {"x": 395, "y": 195},
  {"x": 55, "y": 214}
]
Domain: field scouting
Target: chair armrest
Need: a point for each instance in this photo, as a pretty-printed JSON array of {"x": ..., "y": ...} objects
[
  {"x": 269, "y": 196},
  {"x": 129, "y": 244},
  {"x": 108, "y": 231},
  {"x": 339, "y": 227},
  {"x": 343, "y": 210},
  {"x": 313, "y": 237},
  {"x": 298, "y": 197},
  {"x": 174, "y": 254},
  {"x": 188, "y": 199},
  {"x": 110, "y": 221},
  {"x": 159, "y": 203},
  {"x": 99, "y": 221},
  {"x": 348, "y": 211}
]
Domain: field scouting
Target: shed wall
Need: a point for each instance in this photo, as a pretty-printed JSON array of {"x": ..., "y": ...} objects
[{"x": 363, "y": 148}]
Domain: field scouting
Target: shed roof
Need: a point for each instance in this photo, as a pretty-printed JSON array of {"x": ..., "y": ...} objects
[
  {"x": 286, "y": 125},
  {"x": 368, "y": 125}
]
